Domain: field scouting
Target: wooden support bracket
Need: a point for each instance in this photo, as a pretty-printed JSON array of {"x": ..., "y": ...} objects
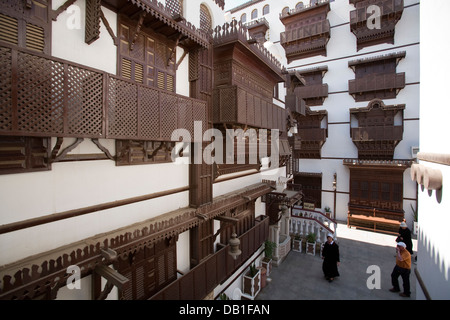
[
  {"x": 62, "y": 8},
  {"x": 108, "y": 27},
  {"x": 138, "y": 29},
  {"x": 113, "y": 276}
]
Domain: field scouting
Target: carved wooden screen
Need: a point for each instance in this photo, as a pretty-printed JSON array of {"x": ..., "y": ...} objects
[
  {"x": 145, "y": 57},
  {"x": 382, "y": 189},
  {"x": 175, "y": 6},
  {"x": 26, "y": 24},
  {"x": 149, "y": 269},
  {"x": 201, "y": 242},
  {"x": 311, "y": 187},
  {"x": 205, "y": 18},
  {"x": 24, "y": 154}
]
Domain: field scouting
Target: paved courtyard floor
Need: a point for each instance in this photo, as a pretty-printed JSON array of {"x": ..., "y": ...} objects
[{"x": 300, "y": 277}]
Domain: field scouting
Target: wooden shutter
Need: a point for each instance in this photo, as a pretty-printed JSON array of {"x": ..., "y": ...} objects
[
  {"x": 149, "y": 269},
  {"x": 9, "y": 29},
  {"x": 148, "y": 61},
  {"x": 24, "y": 154},
  {"x": 28, "y": 26}
]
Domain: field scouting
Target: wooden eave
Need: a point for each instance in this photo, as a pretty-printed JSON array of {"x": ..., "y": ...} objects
[
  {"x": 401, "y": 165},
  {"x": 396, "y": 107},
  {"x": 161, "y": 20},
  {"x": 395, "y": 55}
]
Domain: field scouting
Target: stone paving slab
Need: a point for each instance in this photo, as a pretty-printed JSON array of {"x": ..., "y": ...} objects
[{"x": 300, "y": 277}]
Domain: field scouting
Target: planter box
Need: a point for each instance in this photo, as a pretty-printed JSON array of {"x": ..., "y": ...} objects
[
  {"x": 297, "y": 245},
  {"x": 267, "y": 264},
  {"x": 251, "y": 285},
  {"x": 311, "y": 248}
]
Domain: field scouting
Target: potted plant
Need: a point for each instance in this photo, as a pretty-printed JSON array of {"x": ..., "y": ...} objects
[
  {"x": 297, "y": 243},
  {"x": 269, "y": 246},
  {"x": 328, "y": 212},
  {"x": 252, "y": 282},
  {"x": 311, "y": 244}
]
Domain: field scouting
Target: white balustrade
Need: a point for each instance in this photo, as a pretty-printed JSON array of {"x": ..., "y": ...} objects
[{"x": 303, "y": 222}]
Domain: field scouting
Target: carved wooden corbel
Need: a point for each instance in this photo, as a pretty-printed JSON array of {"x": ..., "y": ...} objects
[{"x": 138, "y": 29}]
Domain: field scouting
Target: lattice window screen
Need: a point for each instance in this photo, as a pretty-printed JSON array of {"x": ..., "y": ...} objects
[{"x": 205, "y": 18}]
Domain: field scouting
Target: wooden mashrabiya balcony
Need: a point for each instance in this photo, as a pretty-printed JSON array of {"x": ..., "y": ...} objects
[{"x": 45, "y": 96}]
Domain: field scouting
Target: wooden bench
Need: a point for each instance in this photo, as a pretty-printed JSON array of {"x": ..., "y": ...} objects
[{"x": 373, "y": 223}]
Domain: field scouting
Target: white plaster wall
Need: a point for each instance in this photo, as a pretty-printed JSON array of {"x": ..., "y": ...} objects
[
  {"x": 73, "y": 185},
  {"x": 68, "y": 38},
  {"x": 433, "y": 260}
]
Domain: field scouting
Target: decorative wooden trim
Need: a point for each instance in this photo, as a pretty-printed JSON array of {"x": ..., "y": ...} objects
[{"x": 92, "y": 27}]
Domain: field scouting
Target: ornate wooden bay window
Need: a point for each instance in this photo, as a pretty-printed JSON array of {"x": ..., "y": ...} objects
[
  {"x": 379, "y": 131},
  {"x": 376, "y": 194},
  {"x": 314, "y": 92},
  {"x": 307, "y": 31},
  {"x": 312, "y": 134},
  {"x": 245, "y": 74},
  {"x": 376, "y": 77},
  {"x": 257, "y": 29},
  {"x": 373, "y": 22}
]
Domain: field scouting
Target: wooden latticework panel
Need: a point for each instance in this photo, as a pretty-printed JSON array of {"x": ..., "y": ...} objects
[
  {"x": 122, "y": 109},
  {"x": 40, "y": 93},
  {"x": 150, "y": 123},
  {"x": 5, "y": 91},
  {"x": 43, "y": 96},
  {"x": 84, "y": 96}
]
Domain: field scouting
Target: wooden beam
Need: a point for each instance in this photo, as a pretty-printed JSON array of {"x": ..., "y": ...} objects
[
  {"x": 108, "y": 27},
  {"x": 113, "y": 276}
]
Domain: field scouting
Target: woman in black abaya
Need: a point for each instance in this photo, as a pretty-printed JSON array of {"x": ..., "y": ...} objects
[{"x": 330, "y": 256}]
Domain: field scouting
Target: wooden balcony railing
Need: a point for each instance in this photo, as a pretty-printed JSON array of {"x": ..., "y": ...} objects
[
  {"x": 305, "y": 32},
  {"x": 50, "y": 97},
  {"x": 313, "y": 134},
  {"x": 312, "y": 91},
  {"x": 378, "y": 133},
  {"x": 203, "y": 278},
  {"x": 378, "y": 82},
  {"x": 232, "y": 104}
]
